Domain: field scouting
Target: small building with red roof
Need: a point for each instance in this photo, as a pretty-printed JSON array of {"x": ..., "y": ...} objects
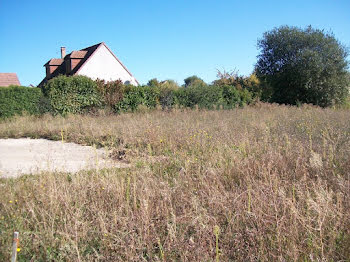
[{"x": 9, "y": 79}]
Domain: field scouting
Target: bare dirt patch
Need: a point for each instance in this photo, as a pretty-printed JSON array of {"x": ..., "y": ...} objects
[{"x": 28, "y": 156}]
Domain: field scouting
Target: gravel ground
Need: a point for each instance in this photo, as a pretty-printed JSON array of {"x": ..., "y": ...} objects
[{"x": 30, "y": 156}]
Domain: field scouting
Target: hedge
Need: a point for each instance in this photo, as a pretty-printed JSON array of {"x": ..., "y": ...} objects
[
  {"x": 134, "y": 96},
  {"x": 80, "y": 94},
  {"x": 15, "y": 100},
  {"x": 72, "y": 94},
  {"x": 212, "y": 96},
  {"x": 203, "y": 96}
]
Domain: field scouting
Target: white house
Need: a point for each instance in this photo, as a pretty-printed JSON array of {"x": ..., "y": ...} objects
[{"x": 96, "y": 61}]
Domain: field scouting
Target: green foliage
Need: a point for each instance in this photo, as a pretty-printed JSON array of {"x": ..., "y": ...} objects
[
  {"x": 203, "y": 96},
  {"x": 153, "y": 82},
  {"x": 79, "y": 94},
  {"x": 134, "y": 96},
  {"x": 302, "y": 66},
  {"x": 166, "y": 84},
  {"x": 167, "y": 90},
  {"x": 169, "y": 84},
  {"x": 212, "y": 96},
  {"x": 232, "y": 97},
  {"x": 44, "y": 105},
  {"x": 251, "y": 83},
  {"x": 228, "y": 79},
  {"x": 167, "y": 94},
  {"x": 15, "y": 100},
  {"x": 196, "y": 92},
  {"x": 111, "y": 92},
  {"x": 194, "y": 81},
  {"x": 167, "y": 98},
  {"x": 72, "y": 94}
]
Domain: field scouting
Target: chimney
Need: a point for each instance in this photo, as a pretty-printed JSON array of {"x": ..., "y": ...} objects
[{"x": 63, "y": 52}]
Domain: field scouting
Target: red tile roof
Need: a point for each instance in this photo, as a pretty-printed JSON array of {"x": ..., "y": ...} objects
[
  {"x": 78, "y": 54},
  {"x": 7, "y": 79},
  {"x": 55, "y": 61}
]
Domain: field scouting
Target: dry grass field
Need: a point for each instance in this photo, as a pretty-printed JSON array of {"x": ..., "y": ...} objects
[{"x": 262, "y": 183}]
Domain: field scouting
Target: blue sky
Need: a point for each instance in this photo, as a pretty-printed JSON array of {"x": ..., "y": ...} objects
[{"x": 156, "y": 38}]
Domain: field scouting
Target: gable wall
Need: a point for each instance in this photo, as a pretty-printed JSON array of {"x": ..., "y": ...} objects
[{"x": 103, "y": 65}]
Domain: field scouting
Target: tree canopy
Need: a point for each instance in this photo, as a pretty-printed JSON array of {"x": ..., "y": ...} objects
[
  {"x": 194, "y": 80},
  {"x": 302, "y": 66}
]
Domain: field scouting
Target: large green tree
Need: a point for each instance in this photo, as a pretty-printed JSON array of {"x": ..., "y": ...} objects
[{"x": 302, "y": 66}]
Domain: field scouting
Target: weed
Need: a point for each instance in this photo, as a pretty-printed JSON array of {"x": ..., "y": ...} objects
[{"x": 272, "y": 181}]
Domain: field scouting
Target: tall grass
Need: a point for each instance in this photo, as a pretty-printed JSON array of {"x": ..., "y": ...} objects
[{"x": 264, "y": 183}]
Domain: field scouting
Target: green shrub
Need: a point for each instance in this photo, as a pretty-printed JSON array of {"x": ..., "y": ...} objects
[
  {"x": 72, "y": 94},
  {"x": 233, "y": 97},
  {"x": 208, "y": 96},
  {"x": 246, "y": 97},
  {"x": 44, "y": 105},
  {"x": 153, "y": 82},
  {"x": 186, "y": 97},
  {"x": 194, "y": 80},
  {"x": 133, "y": 96},
  {"x": 165, "y": 91},
  {"x": 212, "y": 96},
  {"x": 110, "y": 92},
  {"x": 167, "y": 97},
  {"x": 15, "y": 100},
  {"x": 202, "y": 95},
  {"x": 150, "y": 96},
  {"x": 230, "y": 97}
]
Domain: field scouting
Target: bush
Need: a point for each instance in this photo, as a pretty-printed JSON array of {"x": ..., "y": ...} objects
[
  {"x": 44, "y": 105},
  {"x": 72, "y": 94},
  {"x": 207, "y": 96},
  {"x": 15, "y": 100},
  {"x": 194, "y": 80},
  {"x": 166, "y": 92},
  {"x": 203, "y": 96},
  {"x": 213, "y": 96},
  {"x": 246, "y": 97},
  {"x": 111, "y": 92},
  {"x": 167, "y": 97},
  {"x": 230, "y": 97},
  {"x": 240, "y": 82},
  {"x": 133, "y": 96}
]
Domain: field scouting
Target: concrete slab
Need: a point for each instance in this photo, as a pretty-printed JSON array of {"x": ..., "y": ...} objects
[{"x": 29, "y": 156}]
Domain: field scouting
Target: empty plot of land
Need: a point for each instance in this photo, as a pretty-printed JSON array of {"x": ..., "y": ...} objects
[{"x": 29, "y": 156}]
